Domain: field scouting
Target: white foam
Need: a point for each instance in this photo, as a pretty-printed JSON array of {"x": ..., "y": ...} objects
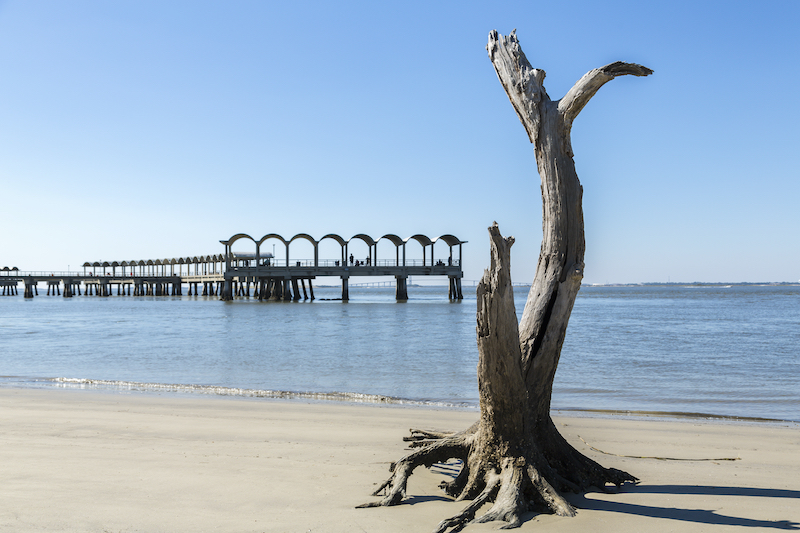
[{"x": 354, "y": 397}]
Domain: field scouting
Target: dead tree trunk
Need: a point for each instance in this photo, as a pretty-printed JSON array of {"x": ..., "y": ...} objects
[{"x": 514, "y": 456}]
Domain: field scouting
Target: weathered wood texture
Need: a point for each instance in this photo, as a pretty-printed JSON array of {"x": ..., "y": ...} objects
[
  {"x": 500, "y": 383},
  {"x": 514, "y": 456},
  {"x": 560, "y": 269}
]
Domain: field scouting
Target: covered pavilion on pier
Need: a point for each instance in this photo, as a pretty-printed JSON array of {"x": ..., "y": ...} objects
[{"x": 266, "y": 270}]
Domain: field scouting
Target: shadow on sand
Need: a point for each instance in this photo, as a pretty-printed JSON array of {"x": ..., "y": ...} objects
[{"x": 699, "y": 516}]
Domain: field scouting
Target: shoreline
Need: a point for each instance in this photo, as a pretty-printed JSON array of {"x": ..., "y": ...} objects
[
  {"x": 128, "y": 462},
  {"x": 114, "y": 387}
]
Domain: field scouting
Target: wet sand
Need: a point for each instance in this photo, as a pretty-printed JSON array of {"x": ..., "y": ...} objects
[{"x": 94, "y": 462}]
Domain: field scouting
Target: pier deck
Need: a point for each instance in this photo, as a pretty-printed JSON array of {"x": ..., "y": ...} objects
[{"x": 231, "y": 274}]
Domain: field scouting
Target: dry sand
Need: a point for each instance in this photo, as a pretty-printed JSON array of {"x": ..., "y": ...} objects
[{"x": 93, "y": 462}]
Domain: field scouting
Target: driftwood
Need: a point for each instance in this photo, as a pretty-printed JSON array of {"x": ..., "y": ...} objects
[{"x": 514, "y": 456}]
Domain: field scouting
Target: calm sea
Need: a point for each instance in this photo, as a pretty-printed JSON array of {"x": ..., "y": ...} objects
[{"x": 718, "y": 350}]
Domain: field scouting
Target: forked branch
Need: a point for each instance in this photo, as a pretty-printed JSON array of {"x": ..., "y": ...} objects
[{"x": 586, "y": 87}]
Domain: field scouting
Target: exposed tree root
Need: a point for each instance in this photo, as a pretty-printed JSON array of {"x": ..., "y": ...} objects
[
  {"x": 439, "y": 451},
  {"x": 463, "y": 518},
  {"x": 423, "y": 437},
  {"x": 577, "y": 472},
  {"x": 421, "y": 434},
  {"x": 513, "y": 484}
]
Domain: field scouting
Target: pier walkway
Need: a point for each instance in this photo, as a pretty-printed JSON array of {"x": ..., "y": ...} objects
[{"x": 232, "y": 274}]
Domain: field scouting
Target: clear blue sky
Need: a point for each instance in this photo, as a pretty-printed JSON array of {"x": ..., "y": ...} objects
[{"x": 139, "y": 129}]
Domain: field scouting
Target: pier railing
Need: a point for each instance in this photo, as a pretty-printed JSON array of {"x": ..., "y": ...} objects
[
  {"x": 338, "y": 263},
  {"x": 42, "y": 273}
]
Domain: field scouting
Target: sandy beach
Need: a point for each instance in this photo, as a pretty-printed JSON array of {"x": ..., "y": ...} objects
[{"x": 94, "y": 462}]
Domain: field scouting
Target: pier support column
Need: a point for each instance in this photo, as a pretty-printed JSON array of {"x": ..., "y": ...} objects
[
  {"x": 401, "y": 290},
  {"x": 267, "y": 289},
  {"x": 287, "y": 290},
  {"x": 28, "y": 289},
  {"x": 277, "y": 289},
  {"x": 311, "y": 289},
  {"x": 345, "y": 289},
  {"x": 227, "y": 290},
  {"x": 303, "y": 284},
  {"x": 296, "y": 290}
]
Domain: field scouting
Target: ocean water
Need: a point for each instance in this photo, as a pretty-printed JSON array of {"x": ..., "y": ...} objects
[{"x": 714, "y": 350}]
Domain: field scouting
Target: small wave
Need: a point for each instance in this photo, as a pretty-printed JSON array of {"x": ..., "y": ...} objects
[{"x": 351, "y": 397}]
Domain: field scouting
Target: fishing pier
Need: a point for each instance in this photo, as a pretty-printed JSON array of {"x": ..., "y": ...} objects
[{"x": 233, "y": 274}]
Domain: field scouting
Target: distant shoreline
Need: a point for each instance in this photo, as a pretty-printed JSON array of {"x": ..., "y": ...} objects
[
  {"x": 700, "y": 284},
  {"x": 471, "y": 283}
]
